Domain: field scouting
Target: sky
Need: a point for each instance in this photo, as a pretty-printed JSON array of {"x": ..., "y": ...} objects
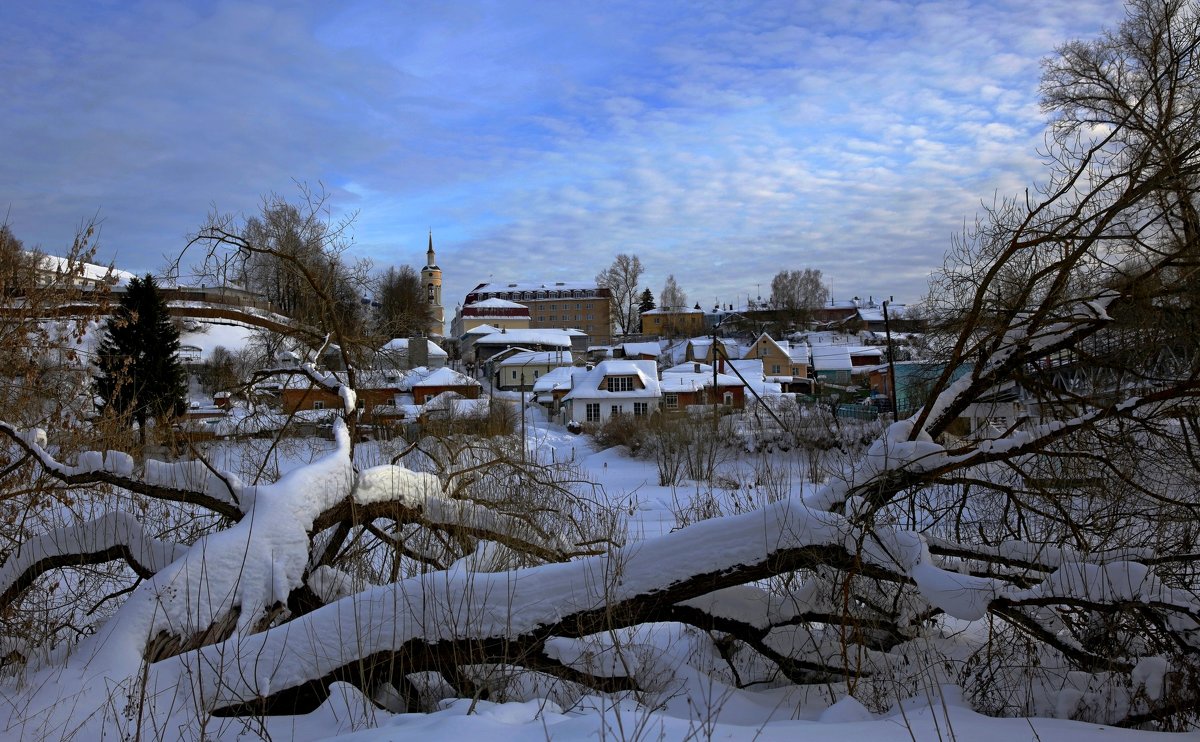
[{"x": 720, "y": 142}]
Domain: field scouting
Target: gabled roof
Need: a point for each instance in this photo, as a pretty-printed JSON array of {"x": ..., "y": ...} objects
[
  {"x": 495, "y": 304},
  {"x": 588, "y": 383},
  {"x": 446, "y": 376},
  {"x": 554, "y": 379},
  {"x": 732, "y": 348},
  {"x": 482, "y": 330},
  {"x": 400, "y": 345}
]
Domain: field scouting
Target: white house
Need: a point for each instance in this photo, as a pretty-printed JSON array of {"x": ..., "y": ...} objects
[{"x": 613, "y": 387}]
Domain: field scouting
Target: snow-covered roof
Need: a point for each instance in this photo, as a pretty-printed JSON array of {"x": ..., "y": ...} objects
[
  {"x": 538, "y": 357},
  {"x": 589, "y": 384},
  {"x": 751, "y": 368},
  {"x": 798, "y": 352},
  {"x": 364, "y": 379},
  {"x": 482, "y": 330},
  {"x": 89, "y": 271},
  {"x": 454, "y": 404},
  {"x": 445, "y": 376},
  {"x": 875, "y": 314},
  {"x": 638, "y": 349},
  {"x": 557, "y": 378},
  {"x": 495, "y": 304},
  {"x": 400, "y": 345},
  {"x": 704, "y": 342},
  {"x": 831, "y": 357},
  {"x": 673, "y": 310},
  {"x": 551, "y": 337},
  {"x": 676, "y": 380},
  {"x": 866, "y": 350}
]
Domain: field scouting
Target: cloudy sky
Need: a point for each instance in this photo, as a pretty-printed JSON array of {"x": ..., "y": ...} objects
[{"x": 721, "y": 142}]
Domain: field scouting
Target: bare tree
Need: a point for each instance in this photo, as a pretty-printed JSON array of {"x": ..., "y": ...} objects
[
  {"x": 295, "y": 255},
  {"x": 672, "y": 297},
  {"x": 795, "y": 293},
  {"x": 621, "y": 278},
  {"x": 402, "y": 306}
]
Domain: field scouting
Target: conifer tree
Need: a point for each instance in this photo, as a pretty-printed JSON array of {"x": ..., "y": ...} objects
[
  {"x": 138, "y": 368},
  {"x": 647, "y": 301}
]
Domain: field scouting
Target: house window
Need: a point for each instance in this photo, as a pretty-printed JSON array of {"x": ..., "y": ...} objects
[
  {"x": 589, "y": 306},
  {"x": 620, "y": 383},
  {"x": 553, "y": 307},
  {"x": 795, "y": 370},
  {"x": 593, "y": 412},
  {"x": 318, "y": 404},
  {"x": 514, "y": 374},
  {"x": 615, "y": 410},
  {"x": 729, "y": 399},
  {"x": 775, "y": 369},
  {"x": 578, "y": 305},
  {"x": 641, "y": 409},
  {"x": 553, "y": 318},
  {"x": 535, "y": 373},
  {"x": 671, "y": 401}
]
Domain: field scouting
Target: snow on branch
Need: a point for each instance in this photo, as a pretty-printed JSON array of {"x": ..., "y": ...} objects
[
  {"x": 116, "y": 535},
  {"x": 231, "y": 578},
  {"x": 190, "y": 482}
]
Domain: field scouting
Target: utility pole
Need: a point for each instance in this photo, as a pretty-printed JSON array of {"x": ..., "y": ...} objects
[{"x": 887, "y": 329}]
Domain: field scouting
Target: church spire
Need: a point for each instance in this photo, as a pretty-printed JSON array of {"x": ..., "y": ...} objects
[{"x": 430, "y": 259}]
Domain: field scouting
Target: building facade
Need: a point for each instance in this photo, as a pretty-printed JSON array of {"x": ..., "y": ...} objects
[{"x": 559, "y": 305}]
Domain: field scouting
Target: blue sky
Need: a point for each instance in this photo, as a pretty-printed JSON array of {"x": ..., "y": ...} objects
[{"x": 721, "y": 142}]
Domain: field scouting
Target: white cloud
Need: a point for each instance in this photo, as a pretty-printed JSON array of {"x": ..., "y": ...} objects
[{"x": 719, "y": 144}]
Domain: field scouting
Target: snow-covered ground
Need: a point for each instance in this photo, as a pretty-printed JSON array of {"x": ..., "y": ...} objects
[{"x": 689, "y": 705}]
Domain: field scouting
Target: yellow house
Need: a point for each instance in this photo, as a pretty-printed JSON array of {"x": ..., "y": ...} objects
[
  {"x": 673, "y": 322},
  {"x": 780, "y": 358}
]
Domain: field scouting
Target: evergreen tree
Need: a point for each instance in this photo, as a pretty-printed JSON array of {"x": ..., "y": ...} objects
[
  {"x": 138, "y": 368},
  {"x": 647, "y": 301}
]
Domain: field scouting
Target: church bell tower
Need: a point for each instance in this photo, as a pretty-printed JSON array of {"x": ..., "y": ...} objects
[{"x": 431, "y": 279}]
